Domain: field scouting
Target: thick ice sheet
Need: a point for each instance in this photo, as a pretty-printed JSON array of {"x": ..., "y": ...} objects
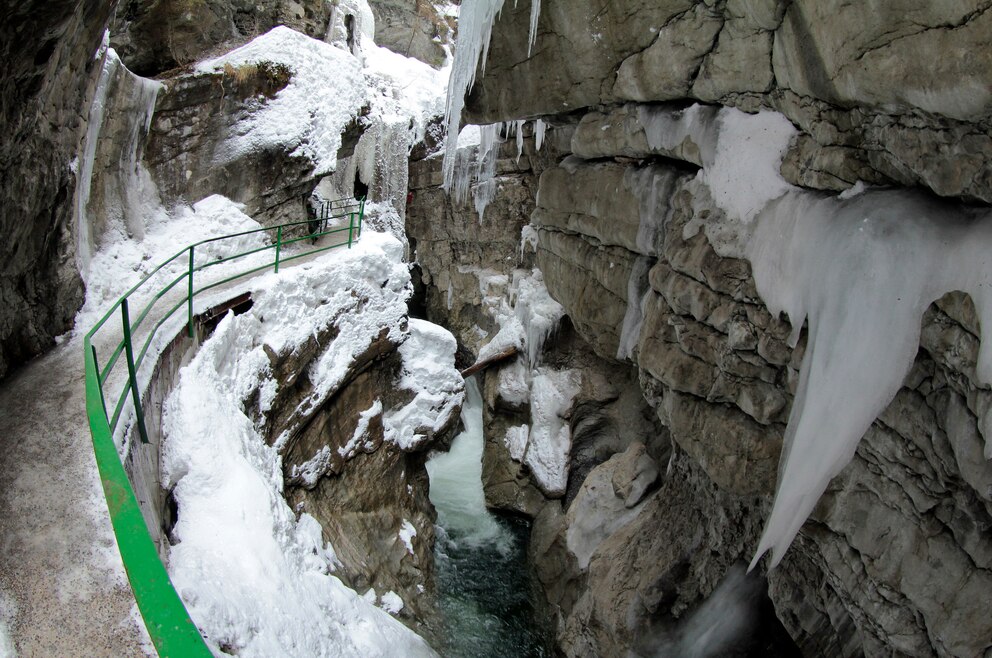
[{"x": 860, "y": 271}]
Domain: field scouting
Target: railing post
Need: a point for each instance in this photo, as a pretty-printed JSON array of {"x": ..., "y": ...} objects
[
  {"x": 361, "y": 216},
  {"x": 278, "y": 246},
  {"x": 132, "y": 375},
  {"x": 351, "y": 227},
  {"x": 99, "y": 382},
  {"x": 189, "y": 300}
]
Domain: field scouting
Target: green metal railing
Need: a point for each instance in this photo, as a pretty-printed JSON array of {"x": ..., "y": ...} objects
[{"x": 168, "y": 623}]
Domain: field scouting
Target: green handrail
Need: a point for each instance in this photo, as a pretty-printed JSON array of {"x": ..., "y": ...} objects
[{"x": 169, "y": 625}]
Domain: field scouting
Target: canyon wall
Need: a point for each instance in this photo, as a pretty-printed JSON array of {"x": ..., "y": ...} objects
[
  {"x": 895, "y": 559},
  {"x": 416, "y": 28},
  {"x": 47, "y": 80}
]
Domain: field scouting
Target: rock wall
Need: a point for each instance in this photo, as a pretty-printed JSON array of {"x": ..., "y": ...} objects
[
  {"x": 155, "y": 36},
  {"x": 194, "y": 116},
  {"x": 48, "y": 77},
  {"x": 415, "y": 28},
  {"x": 849, "y": 76},
  {"x": 895, "y": 558},
  {"x": 604, "y": 568}
]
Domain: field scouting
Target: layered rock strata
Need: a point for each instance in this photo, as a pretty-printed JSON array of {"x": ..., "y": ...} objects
[
  {"x": 895, "y": 557},
  {"x": 850, "y": 77}
]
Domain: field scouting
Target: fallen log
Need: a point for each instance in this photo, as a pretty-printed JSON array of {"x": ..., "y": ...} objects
[{"x": 482, "y": 364}]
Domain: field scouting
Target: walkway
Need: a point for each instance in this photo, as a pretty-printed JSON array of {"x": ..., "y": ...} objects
[
  {"x": 59, "y": 561},
  {"x": 58, "y": 556}
]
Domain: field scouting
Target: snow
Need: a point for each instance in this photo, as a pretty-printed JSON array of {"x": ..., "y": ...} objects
[
  {"x": 511, "y": 335},
  {"x": 391, "y": 603},
  {"x": 349, "y": 449},
  {"x": 405, "y": 95},
  {"x": 744, "y": 175},
  {"x": 854, "y": 190},
  {"x": 310, "y": 471},
  {"x": 550, "y": 441},
  {"x": 416, "y": 89},
  {"x": 255, "y": 578},
  {"x": 741, "y": 153},
  {"x": 306, "y": 118},
  {"x": 406, "y": 535},
  {"x": 516, "y": 441},
  {"x": 123, "y": 261},
  {"x": 514, "y": 383},
  {"x": 428, "y": 370}
]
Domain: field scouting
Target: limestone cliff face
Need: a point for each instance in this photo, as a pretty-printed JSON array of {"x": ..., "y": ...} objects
[
  {"x": 48, "y": 76},
  {"x": 895, "y": 559},
  {"x": 195, "y": 114},
  {"x": 154, "y": 36},
  {"x": 416, "y": 28},
  {"x": 850, "y": 76}
]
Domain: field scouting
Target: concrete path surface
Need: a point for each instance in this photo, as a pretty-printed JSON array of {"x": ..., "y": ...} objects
[{"x": 59, "y": 565}]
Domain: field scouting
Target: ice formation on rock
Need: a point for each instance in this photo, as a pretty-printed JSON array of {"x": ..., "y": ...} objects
[
  {"x": 475, "y": 25},
  {"x": 129, "y": 199},
  {"x": 858, "y": 269},
  {"x": 860, "y": 272}
]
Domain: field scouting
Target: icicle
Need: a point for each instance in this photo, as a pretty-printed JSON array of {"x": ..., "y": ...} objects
[
  {"x": 528, "y": 238},
  {"x": 519, "y": 127},
  {"x": 84, "y": 238},
  {"x": 637, "y": 294},
  {"x": 475, "y": 26},
  {"x": 538, "y": 313},
  {"x": 487, "y": 158},
  {"x": 861, "y": 271},
  {"x": 539, "y": 128},
  {"x": 535, "y": 14},
  {"x": 129, "y": 196}
]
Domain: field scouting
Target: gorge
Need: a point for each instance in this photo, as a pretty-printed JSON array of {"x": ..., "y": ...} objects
[{"x": 720, "y": 268}]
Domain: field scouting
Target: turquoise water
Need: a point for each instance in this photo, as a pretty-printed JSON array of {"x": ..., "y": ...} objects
[{"x": 485, "y": 592}]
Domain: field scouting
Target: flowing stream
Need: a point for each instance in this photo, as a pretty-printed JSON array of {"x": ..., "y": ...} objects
[{"x": 483, "y": 582}]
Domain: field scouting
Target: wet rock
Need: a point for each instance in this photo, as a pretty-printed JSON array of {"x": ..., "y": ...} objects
[{"x": 46, "y": 86}]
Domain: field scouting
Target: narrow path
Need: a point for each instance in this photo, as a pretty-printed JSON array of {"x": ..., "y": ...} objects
[
  {"x": 58, "y": 556},
  {"x": 59, "y": 562}
]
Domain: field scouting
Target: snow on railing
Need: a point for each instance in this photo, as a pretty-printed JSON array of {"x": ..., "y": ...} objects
[{"x": 166, "y": 619}]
